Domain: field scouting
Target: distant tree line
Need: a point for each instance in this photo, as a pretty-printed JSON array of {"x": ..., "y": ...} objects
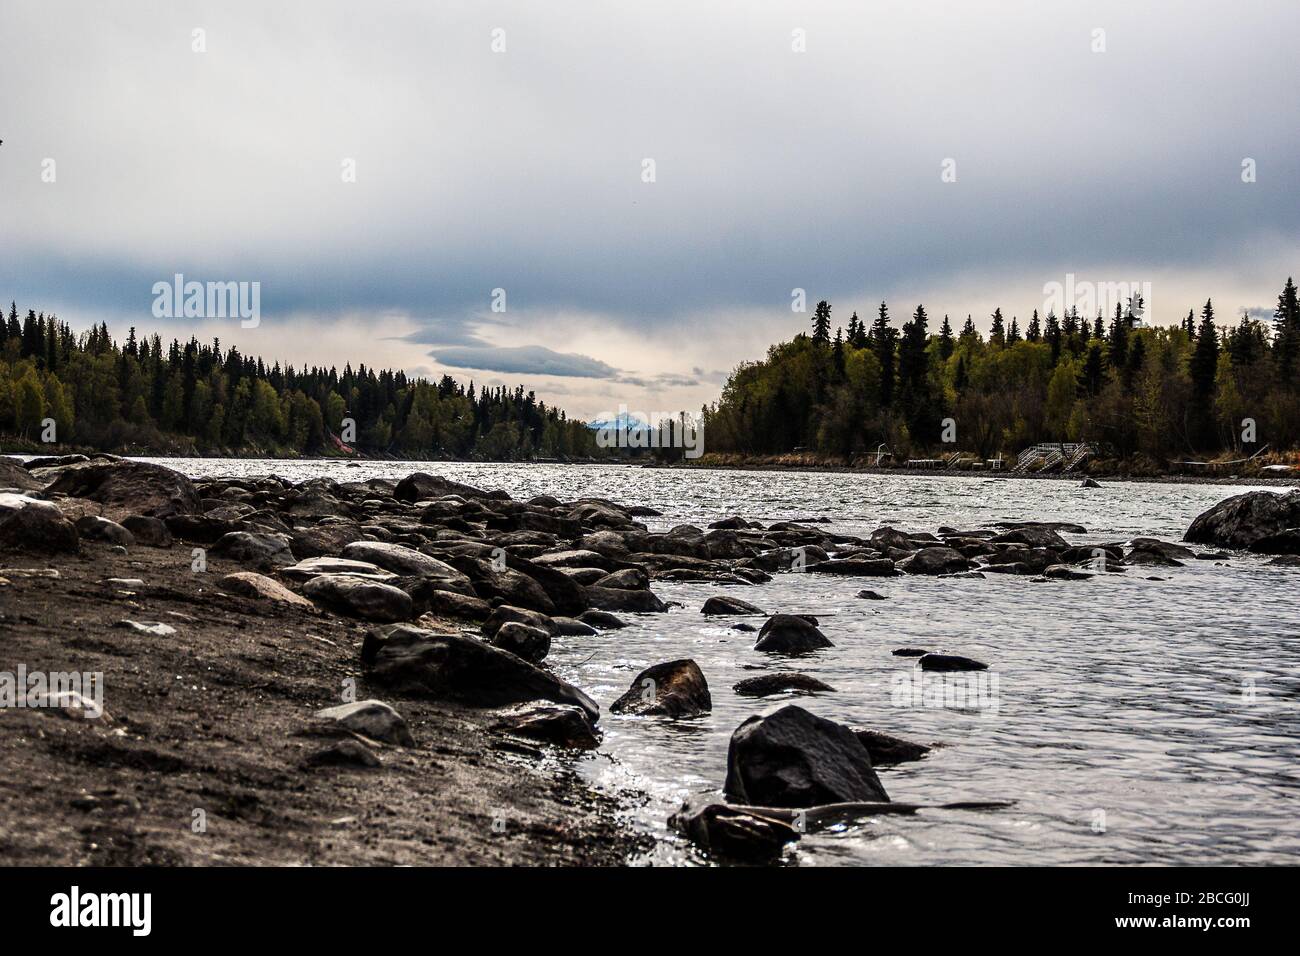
[
  {"x": 1196, "y": 388},
  {"x": 144, "y": 396}
]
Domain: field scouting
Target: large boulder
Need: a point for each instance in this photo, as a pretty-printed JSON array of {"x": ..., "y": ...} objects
[
  {"x": 424, "y": 487},
  {"x": 792, "y": 758},
  {"x": 671, "y": 689},
  {"x": 360, "y": 597},
  {"x": 1240, "y": 521},
  {"x": 790, "y": 634},
  {"x": 29, "y": 524},
  {"x": 128, "y": 487},
  {"x": 461, "y": 668}
]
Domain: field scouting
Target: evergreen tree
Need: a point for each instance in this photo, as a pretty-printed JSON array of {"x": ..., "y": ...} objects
[{"x": 821, "y": 322}]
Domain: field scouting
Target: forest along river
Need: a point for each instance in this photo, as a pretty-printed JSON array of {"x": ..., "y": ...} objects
[{"x": 1136, "y": 720}]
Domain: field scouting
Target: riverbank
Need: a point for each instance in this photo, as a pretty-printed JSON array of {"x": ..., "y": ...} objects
[
  {"x": 212, "y": 727},
  {"x": 818, "y": 464}
]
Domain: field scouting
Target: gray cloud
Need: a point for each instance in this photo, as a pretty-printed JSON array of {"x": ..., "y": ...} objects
[
  {"x": 522, "y": 170},
  {"x": 524, "y": 359}
]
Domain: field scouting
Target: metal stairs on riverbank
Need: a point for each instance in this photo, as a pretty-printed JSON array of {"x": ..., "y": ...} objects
[{"x": 1048, "y": 455}]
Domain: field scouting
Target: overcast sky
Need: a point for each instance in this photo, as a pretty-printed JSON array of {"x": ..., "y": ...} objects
[{"x": 523, "y": 170}]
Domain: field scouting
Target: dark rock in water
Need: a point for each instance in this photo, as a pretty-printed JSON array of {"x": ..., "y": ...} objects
[
  {"x": 29, "y": 524},
  {"x": 909, "y": 652},
  {"x": 1089, "y": 483},
  {"x": 790, "y": 634},
  {"x": 1011, "y": 567},
  {"x": 857, "y": 567},
  {"x": 871, "y": 596},
  {"x": 1068, "y": 527},
  {"x": 965, "y": 575},
  {"x": 257, "y": 549},
  {"x": 147, "y": 531},
  {"x": 457, "y": 667},
  {"x": 1063, "y": 572},
  {"x": 792, "y": 758},
  {"x": 1286, "y": 561},
  {"x": 882, "y": 539},
  {"x": 729, "y": 605},
  {"x": 1036, "y": 536},
  {"x": 938, "y": 560},
  {"x": 671, "y": 689},
  {"x": 602, "y": 620},
  {"x": 371, "y": 718},
  {"x": 733, "y": 833},
  {"x": 530, "y": 643},
  {"x": 744, "y": 626},
  {"x": 1166, "y": 548},
  {"x": 128, "y": 487},
  {"x": 778, "y": 683},
  {"x": 619, "y": 599},
  {"x": 344, "y": 753},
  {"x": 1240, "y": 521},
  {"x": 360, "y": 597},
  {"x": 572, "y": 627},
  {"x": 1284, "y": 542},
  {"x": 947, "y": 662},
  {"x": 1151, "y": 558},
  {"x": 424, "y": 487},
  {"x": 886, "y": 750},
  {"x": 561, "y": 724},
  {"x": 95, "y": 528}
]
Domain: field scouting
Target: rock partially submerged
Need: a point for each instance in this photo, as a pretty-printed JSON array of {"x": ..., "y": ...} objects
[
  {"x": 767, "y": 684},
  {"x": 561, "y": 724},
  {"x": 790, "y": 634},
  {"x": 792, "y": 758},
  {"x": 950, "y": 662},
  {"x": 671, "y": 689},
  {"x": 1242, "y": 520}
]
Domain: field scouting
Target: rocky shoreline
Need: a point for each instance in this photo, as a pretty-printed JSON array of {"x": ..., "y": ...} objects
[{"x": 356, "y": 672}]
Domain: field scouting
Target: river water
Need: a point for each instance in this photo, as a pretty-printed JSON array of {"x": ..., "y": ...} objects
[{"x": 1132, "y": 720}]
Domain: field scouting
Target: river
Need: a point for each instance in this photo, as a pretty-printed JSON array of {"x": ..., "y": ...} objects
[{"x": 1133, "y": 721}]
